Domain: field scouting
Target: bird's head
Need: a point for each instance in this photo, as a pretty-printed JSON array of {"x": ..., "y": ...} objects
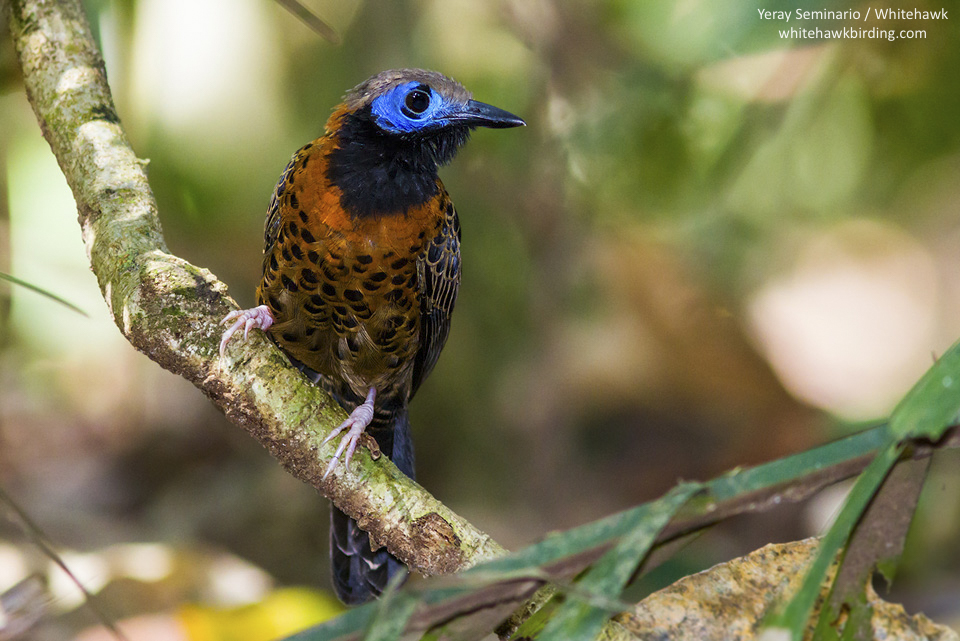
[
  {"x": 412, "y": 101},
  {"x": 423, "y": 107},
  {"x": 395, "y": 129}
]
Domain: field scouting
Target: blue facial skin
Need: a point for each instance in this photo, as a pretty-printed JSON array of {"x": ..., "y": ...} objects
[{"x": 392, "y": 113}]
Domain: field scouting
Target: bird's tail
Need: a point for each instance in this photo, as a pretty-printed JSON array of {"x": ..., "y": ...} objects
[{"x": 360, "y": 573}]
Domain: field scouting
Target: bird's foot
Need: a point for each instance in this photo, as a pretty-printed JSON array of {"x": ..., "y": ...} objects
[
  {"x": 357, "y": 422},
  {"x": 256, "y": 318}
]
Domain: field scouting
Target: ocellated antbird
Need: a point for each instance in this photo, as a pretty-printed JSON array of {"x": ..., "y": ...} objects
[{"x": 361, "y": 269}]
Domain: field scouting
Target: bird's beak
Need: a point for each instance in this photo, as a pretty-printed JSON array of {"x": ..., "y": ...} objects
[{"x": 480, "y": 114}]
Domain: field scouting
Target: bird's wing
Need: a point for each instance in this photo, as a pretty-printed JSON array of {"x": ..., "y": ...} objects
[
  {"x": 271, "y": 227},
  {"x": 439, "y": 279}
]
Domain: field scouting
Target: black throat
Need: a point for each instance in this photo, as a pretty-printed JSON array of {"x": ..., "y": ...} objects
[{"x": 382, "y": 173}]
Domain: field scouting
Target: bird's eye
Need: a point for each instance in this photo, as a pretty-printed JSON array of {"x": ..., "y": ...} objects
[{"x": 416, "y": 102}]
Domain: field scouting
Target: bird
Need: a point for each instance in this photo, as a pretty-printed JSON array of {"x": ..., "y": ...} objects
[{"x": 361, "y": 271}]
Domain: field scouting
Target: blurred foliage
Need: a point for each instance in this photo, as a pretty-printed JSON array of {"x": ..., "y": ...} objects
[{"x": 711, "y": 246}]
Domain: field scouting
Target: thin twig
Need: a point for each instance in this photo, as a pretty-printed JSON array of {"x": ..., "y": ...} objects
[
  {"x": 311, "y": 19},
  {"x": 39, "y": 539}
]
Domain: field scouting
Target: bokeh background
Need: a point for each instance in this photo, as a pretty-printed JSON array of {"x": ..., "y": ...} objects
[{"x": 712, "y": 246}]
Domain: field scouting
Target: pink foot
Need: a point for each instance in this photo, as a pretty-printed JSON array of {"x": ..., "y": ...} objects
[
  {"x": 358, "y": 421},
  {"x": 256, "y": 318}
]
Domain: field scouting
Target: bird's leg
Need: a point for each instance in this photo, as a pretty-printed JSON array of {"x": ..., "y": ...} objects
[
  {"x": 358, "y": 421},
  {"x": 256, "y": 318}
]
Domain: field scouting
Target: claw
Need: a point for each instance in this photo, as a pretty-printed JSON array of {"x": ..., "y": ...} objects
[
  {"x": 256, "y": 318},
  {"x": 357, "y": 422}
]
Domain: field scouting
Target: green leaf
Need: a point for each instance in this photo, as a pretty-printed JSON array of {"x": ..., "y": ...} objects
[
  {"x": 584, "y": 614},
  {"x": 877, "y": 540},
  {"x": 555, "y": 549},
  {"x": 927, "y": 410},
  {"x": 346, "y": 625},
  {"x": 392, "y": 613},
  {"x": 795, "y": 467},
  {"x": 43, "y": 292},
  {"x": 933, "y": 403},
  {"x": 736, "y": 492},
  {"x": 381, "y": 620},
  {"x": 793, "y": 619},
  {"x": 537, "y": 621},
  {"x": 729, "y": 486}
]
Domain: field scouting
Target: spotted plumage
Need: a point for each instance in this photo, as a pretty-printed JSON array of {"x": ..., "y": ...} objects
[{"x": 361, "y": 270}]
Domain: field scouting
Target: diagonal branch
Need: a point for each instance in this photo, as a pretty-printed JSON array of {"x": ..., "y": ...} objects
[{"x": 169, "y": 309}]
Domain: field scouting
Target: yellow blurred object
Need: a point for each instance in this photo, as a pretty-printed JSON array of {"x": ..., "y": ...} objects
[{"x": 280, "y": 614}]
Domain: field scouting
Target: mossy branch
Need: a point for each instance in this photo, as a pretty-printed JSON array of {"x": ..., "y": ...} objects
[{"x": 170, "y": 310}]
